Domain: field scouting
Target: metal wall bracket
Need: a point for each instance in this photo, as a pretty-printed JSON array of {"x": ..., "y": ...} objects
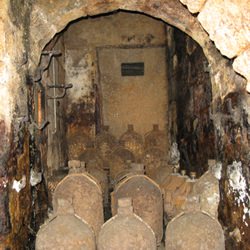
[
  {"x": 45, "y": 65},
  {"x": 59, "y": 86},
  {"x": 37, "y": 126}
]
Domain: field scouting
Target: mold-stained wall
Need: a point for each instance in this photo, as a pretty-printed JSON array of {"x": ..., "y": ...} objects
[
  {"x": 193, "y": 92},
  {"x": 80, "y": 71},
  {"x": 4, "y": 125},
  {"x": 54, "y": 110},
  {"x": 18, "y": 199},
  {"x": 87, "y": 43},
  {"x": 138, "y": 100}
]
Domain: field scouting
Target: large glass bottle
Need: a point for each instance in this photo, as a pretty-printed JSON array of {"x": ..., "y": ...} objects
[
  {"x": 194, "y": 231},
  {"x": 105, "y": 142},
  {"x": 147, "y": 200},
  {"x": 156, "y": 138},
  {"x": 132, "y": 141},
  {"x": 65, "y": 231},
  {"x": 84, "y": 194},
  {"x": 169, "y": 186},
  {"x": 126, "y": 231}
]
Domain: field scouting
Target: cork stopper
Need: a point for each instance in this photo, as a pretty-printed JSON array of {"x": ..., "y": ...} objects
[
  {"x": 125, "y": 206},
  {"x": 155, "y": 127},
  {"x": 130, "y": 127},
  {"x": 183, "y": 172},
  {"x": 193, "y": 175},
  {"x": 175, "y": 170},
  {"x": 128, "y": 163},
  {"x": 138, "y": 168},
  {"x": 76, "y": 166},
  {"x": 83, "y": 165}
]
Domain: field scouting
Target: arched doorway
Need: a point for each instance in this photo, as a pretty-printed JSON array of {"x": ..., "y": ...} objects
[{"x": 162, "y": 83}]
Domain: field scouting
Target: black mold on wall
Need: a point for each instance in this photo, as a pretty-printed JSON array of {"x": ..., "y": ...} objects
[{"x": 195, "y": 136}]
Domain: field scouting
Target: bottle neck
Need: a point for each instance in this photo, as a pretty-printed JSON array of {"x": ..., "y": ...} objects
[
  {"x": 125, "y": 206},
  {"x": 138, "y": 168},
  {"x": 130, "y": 127},
  {"x": 76, "y": 166},
  {"x": 105, "y": 128},
  {"x": 155, "y": 127}
]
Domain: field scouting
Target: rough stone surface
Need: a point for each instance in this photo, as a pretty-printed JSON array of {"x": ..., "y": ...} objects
[
  {"x": 193, "y": 89},
  {"x": 194, "y": 5},
  {"x": 238, "y": 190},
  {"x": 43, "y": 17},
  {"x": 8, "y": 76},
  {"x": 228, "y": 25},
  {"x": 173, "y": 12},
  {"x": 194, "y": 231},
  {"x": 7, "y": 48},
  {"x": 242, "y": 65}
]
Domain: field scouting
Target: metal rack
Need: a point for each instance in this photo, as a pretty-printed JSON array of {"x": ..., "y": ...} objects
[{"x": 44, "y": 65}]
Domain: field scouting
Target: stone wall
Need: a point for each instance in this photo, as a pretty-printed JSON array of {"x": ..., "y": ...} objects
[
  {"x": 18, "y": 198},
  {"x": 5, "y": 125},
  {"x": 232, "y": 143},
  {"x": 95, "y": 48},
  {"x": 191, "y": 92},
  {"x": 228, "y": 25}
]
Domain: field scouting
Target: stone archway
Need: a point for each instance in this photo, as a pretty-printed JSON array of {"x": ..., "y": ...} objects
[{"x": 47, "y": 19}]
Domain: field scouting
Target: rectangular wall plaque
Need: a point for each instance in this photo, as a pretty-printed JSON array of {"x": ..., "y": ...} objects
[{"x": 132, "y": 69}]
